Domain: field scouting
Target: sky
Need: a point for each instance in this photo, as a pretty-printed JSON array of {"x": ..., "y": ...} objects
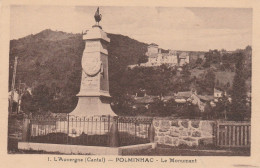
[{"x": 194, "y": 29}]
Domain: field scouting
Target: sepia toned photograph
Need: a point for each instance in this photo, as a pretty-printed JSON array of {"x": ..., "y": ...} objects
[{"x": 130, "y": 81}]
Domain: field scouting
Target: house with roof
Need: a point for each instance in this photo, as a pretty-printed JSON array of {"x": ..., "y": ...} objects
[
  {"x": 195, "y": 55},
  {"x": 182, "y": 97},
  {"x": 183, "y": 59},
  {"x": 143, "y": 100},
  {"x": 152, "y": 53},
  {"x": 193, "y": 97},
  {"x": 202, "y": 100},
  {"x": 218, "y": 93}
]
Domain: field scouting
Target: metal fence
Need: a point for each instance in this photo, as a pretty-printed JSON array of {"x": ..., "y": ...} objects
[
  {"x": 95, "y": 130},
  {"x": 119, "y": 131},
  {"x": 233, "y": 134},
  {"x": 134, "y": 130}
]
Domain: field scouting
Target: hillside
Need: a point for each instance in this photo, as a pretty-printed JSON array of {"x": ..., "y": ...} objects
[
  {"x": 50, "y": 63},
  {"x": 53, "y": 59}
]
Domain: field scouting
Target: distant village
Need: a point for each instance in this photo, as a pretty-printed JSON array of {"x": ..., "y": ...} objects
[
  {"x": 178, "y": 59},
  {"x": 182, "y": 98}
]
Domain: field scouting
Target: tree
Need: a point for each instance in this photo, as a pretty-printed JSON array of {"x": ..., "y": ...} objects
[
  {"x": 207, "y": 111},
  {"x": 210, "y": 81},
  {"x": 206, "y": 83},
  {"x": 222, "y": 108},
  {"x": 248, "y": 61},
  {"x": 27, "y": 104},
  {"x": 193, "y": 111},
  {"x": 42, "y": 98},
  {"x": 238, "y": 94},
  {"x": 199, "y": 61},
  {"x": 158, "y": 108},
  {"x": 212, "y": 57},
  {"x": 170, "y": 107},
  {"x": 142, "y": 59}
]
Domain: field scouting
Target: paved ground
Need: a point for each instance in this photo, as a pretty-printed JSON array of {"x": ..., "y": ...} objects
[
  {"x": 159, "y": 151},
  {"x": 175, "y": 151}
]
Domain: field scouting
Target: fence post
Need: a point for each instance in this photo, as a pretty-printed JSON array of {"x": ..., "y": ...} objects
[
  {"x": 217, "y": 133},
  {"x": 114, "y": 136},
  {"x": 68, "y": 129},
  {"x": 26, "y": 130},
  {"x": 151, "y": 132}
]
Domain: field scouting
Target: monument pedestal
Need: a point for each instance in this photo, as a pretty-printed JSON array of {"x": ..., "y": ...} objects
[
  {"x": 94, "y": 90},
  {"x": 91, "y": 106}
]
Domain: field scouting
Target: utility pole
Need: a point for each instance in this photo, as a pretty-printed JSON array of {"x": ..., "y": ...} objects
[
  {"x": 20, "y": 94},
  {"x": 13, "y": 84},
  {"x": 18, "y": 100}
]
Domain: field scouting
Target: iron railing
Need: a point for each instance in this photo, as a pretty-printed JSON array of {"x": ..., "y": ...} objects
[{"x": 93, "y": 131}]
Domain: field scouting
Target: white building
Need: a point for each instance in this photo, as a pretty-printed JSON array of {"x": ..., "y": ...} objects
[
  {"x": 157, "y": 58},
  {"x": 218, "y": 94}
]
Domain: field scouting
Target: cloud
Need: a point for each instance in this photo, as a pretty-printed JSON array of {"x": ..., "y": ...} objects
[
  {"x": 219, "y": 18},
  {"x": 173, "y": 28},
  {"x": 200, "y": 39},
  {"x": 138, "y": 19}
]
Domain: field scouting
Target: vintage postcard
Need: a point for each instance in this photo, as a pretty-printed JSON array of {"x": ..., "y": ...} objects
[{"x": 89, "y": 84}]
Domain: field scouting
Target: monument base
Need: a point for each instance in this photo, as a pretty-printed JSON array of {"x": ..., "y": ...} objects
[{"x": 91, "y": 106}]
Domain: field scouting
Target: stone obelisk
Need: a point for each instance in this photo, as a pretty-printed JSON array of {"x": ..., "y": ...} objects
[{"x": 94, "y": 90}]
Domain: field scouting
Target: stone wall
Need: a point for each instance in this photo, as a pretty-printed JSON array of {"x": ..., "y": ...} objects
[{"x": 177, "y": 132}]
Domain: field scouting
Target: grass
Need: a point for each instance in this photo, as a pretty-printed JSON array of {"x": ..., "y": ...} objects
[
  {"x": 222, "y": 76},
  {"x": 196, "y": 72},
  {"x": 225, "y": 77}
]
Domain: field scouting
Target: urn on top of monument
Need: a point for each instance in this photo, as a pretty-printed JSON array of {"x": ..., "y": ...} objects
[{"x": 94, "y": 88}]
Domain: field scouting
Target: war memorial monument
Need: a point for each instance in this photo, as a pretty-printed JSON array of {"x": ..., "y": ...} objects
[{"x": 94, "y": 90}]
